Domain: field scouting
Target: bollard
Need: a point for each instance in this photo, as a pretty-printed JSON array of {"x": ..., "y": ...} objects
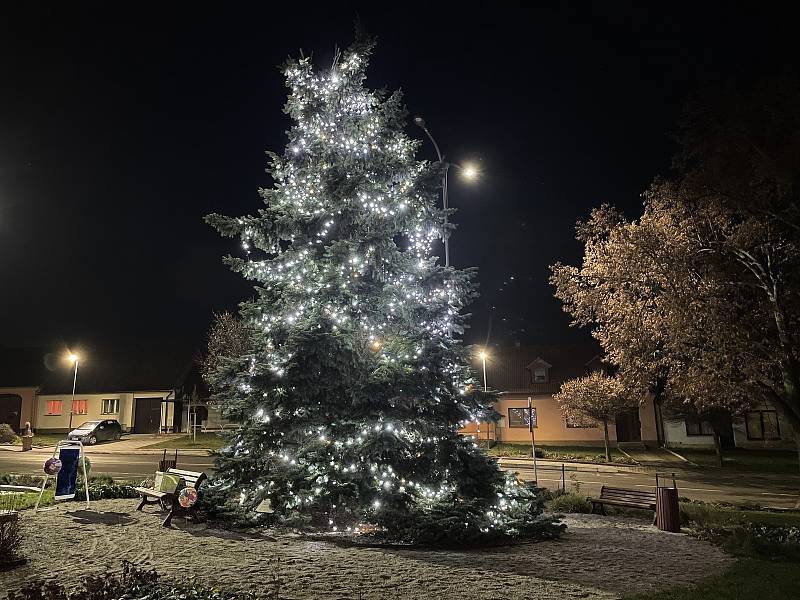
[{"x": 27, "y": 437}]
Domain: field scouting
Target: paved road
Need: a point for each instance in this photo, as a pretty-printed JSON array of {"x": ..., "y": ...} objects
[
  {"x": 774, "y": 490},
  {"x": 123, "y": 466},
  {"x": 764, "y": 489}
]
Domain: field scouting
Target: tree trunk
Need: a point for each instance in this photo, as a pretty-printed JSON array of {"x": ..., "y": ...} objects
[
  {"x": 797, "y": 443},
  {"x": 718, "y": 447},
  {"x": 605, "y": 439}
]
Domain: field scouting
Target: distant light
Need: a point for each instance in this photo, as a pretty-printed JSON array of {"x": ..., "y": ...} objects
[
  {"x": 73, "y": 358},
  {"x": 470, "y": 172}
]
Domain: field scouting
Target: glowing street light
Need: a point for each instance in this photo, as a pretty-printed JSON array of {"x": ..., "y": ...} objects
[
  {"x": 74, "y": 359},
  {"x": 469, "y": 172},
  {"x": 483, "y": 356}
]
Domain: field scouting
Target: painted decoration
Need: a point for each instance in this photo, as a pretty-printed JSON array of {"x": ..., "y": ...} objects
[
  {"x": 52, "y": 466},
  {"x": 187, "y": 497},
  {"x": 68, "y": 475}
]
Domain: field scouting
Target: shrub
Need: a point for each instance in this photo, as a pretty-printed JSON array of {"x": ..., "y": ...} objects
[
  {"x": 570, "y": 503},
  {"x": 134, "y": 583},
  {"x": 10, "y": 539},
  {"x": 7, "y": 435},
  {"x": 23, "y": 479},
  {"x": 762, "y": 541}
]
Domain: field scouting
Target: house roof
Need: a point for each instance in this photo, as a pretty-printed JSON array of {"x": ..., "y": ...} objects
[
  {"x": 510, "y": 369},
  {"x": 129, "y": 369}
]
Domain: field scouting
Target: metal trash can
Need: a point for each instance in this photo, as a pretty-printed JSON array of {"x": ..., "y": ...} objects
[{"x": 668, "y": 516}]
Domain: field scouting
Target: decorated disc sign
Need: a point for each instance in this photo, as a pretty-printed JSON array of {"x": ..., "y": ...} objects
[
  {"x": 187, "y": 497},
  {"x": 52, "y": 466}
]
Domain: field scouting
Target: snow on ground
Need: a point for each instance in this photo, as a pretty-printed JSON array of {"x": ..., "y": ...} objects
[{"x": 598, "y": 557}]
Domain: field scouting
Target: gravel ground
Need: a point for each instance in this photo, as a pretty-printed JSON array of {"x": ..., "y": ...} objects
[{"x": 598, "y": 557}]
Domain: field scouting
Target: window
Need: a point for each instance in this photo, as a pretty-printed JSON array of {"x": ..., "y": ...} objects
[
  {"x": 54, "y": 407},
  {"x": 520, "y": 417},
  {"x": 695, "y": 426},
  {"x": 110, "y": 406},
  {"x": 79, "y": 407},
  {"x": 762, "y": 425},
  {"x": 540, "y": 375}
]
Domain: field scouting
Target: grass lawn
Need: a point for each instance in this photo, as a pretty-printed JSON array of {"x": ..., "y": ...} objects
[
  {"x": 211, "y": 441},
  {"x": 748, "y": 578},
  {"x": 741, "y": 459},
  {"x": 43, "y": 439},
  {"x": 591, "y": 454},
  {"x": 714, "y": 514}
]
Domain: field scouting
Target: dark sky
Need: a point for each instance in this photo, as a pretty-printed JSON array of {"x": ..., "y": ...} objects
[{"x": 121, "y": 127}]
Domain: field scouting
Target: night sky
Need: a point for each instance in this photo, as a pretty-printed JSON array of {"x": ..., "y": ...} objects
[{"x": 121, "y": 128}]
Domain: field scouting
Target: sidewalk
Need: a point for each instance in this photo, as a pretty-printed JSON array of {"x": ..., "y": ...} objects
[{"x": 586, "y": 467}]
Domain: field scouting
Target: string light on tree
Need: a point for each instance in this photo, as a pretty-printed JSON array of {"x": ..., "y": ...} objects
[{"x": 351, "y": 389}]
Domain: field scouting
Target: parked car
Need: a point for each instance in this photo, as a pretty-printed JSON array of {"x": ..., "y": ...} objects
[{"x": 92, "y": 432}]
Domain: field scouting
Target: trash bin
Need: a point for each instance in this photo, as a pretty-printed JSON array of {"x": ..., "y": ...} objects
[
  {"x": 27, "y": 442},
  {"x": 668, "y": 516}
]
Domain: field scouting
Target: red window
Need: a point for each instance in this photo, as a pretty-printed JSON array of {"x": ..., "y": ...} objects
[
  {"x": 54, "y": 407},
  {"x": 79, "y": 407}
]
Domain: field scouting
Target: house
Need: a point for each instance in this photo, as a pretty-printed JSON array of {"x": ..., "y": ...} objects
[
  {"x": 762, "y": 427},
  {"x": 536, "y": 372},
  {"x": 135, "y": 386}
]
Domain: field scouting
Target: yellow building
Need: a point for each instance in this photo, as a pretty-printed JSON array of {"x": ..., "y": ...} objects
[{"x": 536, "y": 372}]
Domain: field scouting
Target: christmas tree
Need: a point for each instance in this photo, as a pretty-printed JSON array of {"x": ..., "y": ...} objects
[{"x": 354, "y": 382}]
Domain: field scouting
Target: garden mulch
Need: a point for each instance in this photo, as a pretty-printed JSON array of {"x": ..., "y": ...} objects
[{"x": 598, "y": 557}]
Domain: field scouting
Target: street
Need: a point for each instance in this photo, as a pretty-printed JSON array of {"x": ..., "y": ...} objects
[
  {"x": 122, "y": 466},
  {"x": 769, "y": 490},
  {"x": 772, "y": 490}
]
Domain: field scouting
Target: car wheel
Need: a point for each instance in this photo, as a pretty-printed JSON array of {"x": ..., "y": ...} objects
[
  {"x": 92, "y": 440},
  {"x": 117, "y": 435}
]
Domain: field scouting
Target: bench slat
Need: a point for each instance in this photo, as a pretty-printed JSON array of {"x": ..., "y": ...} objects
[
  {"x": 625, "y": 497},
  {"x": 153, "y": 493},
  {"x": 617, "y": 503}
]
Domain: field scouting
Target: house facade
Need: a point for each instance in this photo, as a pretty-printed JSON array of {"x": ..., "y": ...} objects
[
  {"x": 136, "y": 387},
  {"x": 761, "y": 427},
  {"x": 537, "y": 372}
]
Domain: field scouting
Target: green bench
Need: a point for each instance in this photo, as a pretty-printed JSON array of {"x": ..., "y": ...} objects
[{"x": 169, "y": 500}]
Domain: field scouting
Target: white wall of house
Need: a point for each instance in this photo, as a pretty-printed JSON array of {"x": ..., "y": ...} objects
[
  {"x": 675, "y": 436},
  {"x": 94, "y": 409},
  {"x": 763, "y": 427}
]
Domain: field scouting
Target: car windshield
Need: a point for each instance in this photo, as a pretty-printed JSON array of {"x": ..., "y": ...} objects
[{"x": 89, "y": 425}]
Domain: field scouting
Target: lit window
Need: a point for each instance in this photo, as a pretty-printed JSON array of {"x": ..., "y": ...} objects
[
  {"x": 520, "y": 417},
  {"x": 110, "y": 406},
  {"x": 54, "y": 407},
  {"x": 762, "y": 425},
  {"x": 79, "y": 407}
]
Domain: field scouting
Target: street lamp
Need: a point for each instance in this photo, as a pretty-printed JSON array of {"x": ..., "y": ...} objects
[
  {"x": 470, "y": 172},
  {"x": 483, "y": 356},
  {"x": 75, "y": 359}
]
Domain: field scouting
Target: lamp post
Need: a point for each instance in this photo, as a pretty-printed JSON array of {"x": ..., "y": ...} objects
[
  {"x": 470, "y": 172},
  {"x": 75, "y": 359},
  {"x": 483, "y": 356}
]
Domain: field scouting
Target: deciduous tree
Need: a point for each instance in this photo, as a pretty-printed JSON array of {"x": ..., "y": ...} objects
[{"x": 596, "y": 396}]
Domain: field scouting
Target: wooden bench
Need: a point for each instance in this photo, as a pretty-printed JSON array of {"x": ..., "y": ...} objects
[
  {"x": 169, "y": 501},
  {"x": 625, "y": 498}
]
